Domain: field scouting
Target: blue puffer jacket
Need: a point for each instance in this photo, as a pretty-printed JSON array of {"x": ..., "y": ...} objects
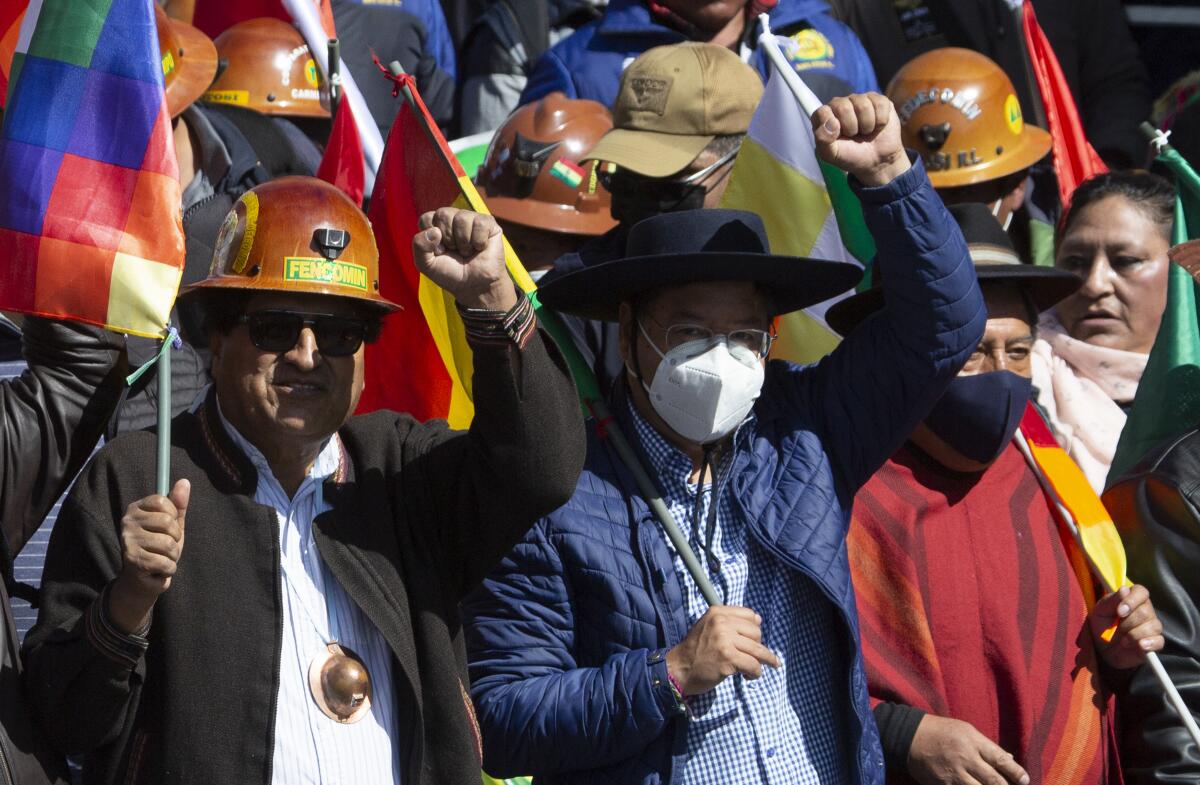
[
  {"x": 589, "y": 62},
  {"x": 565, "y": 637}
]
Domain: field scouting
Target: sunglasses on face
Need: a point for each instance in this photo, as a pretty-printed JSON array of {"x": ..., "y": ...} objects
[{"x": 279, "y": 331}]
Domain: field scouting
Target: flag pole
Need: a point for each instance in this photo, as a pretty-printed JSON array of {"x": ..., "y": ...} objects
[
  {"x": 1164, "y": 679},
  {"x": 593, "y": 401},
  {"x": 163, "y": 460},
  {"x": 809, "y": 101}
]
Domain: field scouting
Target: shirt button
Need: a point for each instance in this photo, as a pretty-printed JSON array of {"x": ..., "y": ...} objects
[
  {"x": 770, "y": 752},
  {"x": 731, "y": 560}
]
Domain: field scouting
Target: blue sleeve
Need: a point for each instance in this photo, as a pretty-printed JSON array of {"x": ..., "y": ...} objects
[
  {"x": 549, "y": 74},
  {"x": 540, "y": 713},
  {"x": 879, "y": 383},
  {"x": 439, "y": 42}
]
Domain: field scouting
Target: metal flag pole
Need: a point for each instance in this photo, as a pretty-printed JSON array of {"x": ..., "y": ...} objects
[
  {"x": 334, "y": 58},
  {"x": 1152, "y": 659}
]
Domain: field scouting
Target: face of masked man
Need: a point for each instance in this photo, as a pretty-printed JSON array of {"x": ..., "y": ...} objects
[
  {"x": 982, "y": 408},
  {"x": 694, "y": 357}
]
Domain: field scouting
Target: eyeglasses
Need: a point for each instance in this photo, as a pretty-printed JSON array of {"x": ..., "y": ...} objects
[
  {"x": 757, "y": 342},
  {"x": 623, "y": 180},
  {"x": 279, "y": 331}
]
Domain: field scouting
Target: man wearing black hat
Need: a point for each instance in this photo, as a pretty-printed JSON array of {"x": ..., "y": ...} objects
[
  {"x": 594, "y": 657},
  {"x": 971, "y": 593}
]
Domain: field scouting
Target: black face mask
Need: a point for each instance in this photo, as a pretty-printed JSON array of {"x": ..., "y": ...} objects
[
  {"x": 978, "y": 415},
  {"x": 636, "y": 198}
]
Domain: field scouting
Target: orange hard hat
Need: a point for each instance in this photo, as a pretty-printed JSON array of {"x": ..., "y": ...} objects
[
  {"x": 959, "y": 111},
  {"x": 189, "y": 61},
  {"x": 297, "y": 234},
  {"x": 532, "y": 175},
  {"x": 269, "y": 69}
]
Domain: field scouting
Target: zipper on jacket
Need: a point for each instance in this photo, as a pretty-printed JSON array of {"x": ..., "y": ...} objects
[
  {"x": 278, "y": 648},
  {"x": 5, "y": 764}
]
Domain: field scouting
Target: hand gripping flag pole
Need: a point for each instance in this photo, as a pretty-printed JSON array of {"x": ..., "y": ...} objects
[{"x": 1091, "y": 527}]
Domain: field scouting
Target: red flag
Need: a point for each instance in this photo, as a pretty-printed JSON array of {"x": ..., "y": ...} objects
[
  {"x": 1074, "y": 158},
  {"x": 404, "y": 368},
  {"x": 342, "y": 164}
]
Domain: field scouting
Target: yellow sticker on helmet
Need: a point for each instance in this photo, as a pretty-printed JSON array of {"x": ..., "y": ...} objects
[
  {"x": 168, "y": 63},
  {"x": 235, "y": 97},
  {"x": 1012, "y": 114},
  {"x": 249, "y": 201},
  {"x": 317, "y": 270},
  {"x": 310, "y": 73}
]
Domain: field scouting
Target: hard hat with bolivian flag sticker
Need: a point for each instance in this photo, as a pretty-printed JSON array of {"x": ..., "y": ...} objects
[
  {"x": 269, "y": 68},
  {"x": 189, "y": 61},
  {"x": 959, "y": 111},
  {"x": 533, "y": 176},
  {"x": 296, "y": 234}
]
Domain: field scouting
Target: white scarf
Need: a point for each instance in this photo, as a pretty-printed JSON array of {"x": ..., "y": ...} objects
[{"x": 1080, "y": 386}]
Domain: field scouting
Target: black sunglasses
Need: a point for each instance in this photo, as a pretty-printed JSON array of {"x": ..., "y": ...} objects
[{"x": 279, "y": 331}]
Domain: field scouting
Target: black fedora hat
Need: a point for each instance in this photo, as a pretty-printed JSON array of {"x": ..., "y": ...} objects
[
  {"x": 995, "y": 260},
  {"x": 695, "y": 246}
]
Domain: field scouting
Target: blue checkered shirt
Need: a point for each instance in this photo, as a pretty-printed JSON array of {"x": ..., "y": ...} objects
[{"x": 788, "y": 727}]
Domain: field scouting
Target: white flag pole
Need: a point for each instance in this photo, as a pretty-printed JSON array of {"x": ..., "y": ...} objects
[
  {"x": 308, "y": 20},
  {"x": 807, "y": 98}
]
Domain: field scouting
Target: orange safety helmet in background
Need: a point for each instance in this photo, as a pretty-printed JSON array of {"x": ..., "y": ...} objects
[
  {"x": 268, "y": 68},
  {"x": 189, "y": 61},
  {"x": 532, "y": 175},
  {"x": 296, "y": 234},
  {"x": 959, "y": 111}
]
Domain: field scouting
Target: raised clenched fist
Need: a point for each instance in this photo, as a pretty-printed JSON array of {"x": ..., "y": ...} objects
[
  {"x": 860, "y": 134},
  {"x": 463, "y": 252}
]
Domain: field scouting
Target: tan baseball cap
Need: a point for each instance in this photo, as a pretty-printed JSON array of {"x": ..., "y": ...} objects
[{"x": 672, "y": 102}]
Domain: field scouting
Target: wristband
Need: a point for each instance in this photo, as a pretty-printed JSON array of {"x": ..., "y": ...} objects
[{"x": 676, "y": 688}]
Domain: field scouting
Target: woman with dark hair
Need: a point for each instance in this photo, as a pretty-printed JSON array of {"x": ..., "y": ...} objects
[{"x": 1092, "y": 348}]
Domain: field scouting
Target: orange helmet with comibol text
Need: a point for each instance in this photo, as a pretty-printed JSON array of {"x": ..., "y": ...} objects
[{"x": 959, "y": 111}]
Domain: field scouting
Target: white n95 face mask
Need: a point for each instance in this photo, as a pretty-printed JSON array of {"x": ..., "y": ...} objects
[{"x": 704, "y": 389}]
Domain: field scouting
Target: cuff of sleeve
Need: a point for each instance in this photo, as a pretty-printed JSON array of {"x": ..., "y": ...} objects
[
  {"x": 902, "y": 186},
  {"x": 124, "y": 649},
  {"x": 484, "y": 327},
  {"x": 672, "y": 704},
  {"x": 897, "y": 726}
]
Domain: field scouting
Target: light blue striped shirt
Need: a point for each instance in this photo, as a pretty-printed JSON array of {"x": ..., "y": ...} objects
[
  {"x": 310, "y": 748},
  {"x": 789, "y": 726}
]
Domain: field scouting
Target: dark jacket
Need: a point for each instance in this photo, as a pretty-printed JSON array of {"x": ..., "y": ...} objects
[
  {"x": 588, "y": 64},
  {"x": 566, "y": 635},
  {"x": 1090, "y": 37},
  {"x": 417, "y": 518},
  {"x": 1157, "y": 511},
  {"x": 51, "y": 417}
]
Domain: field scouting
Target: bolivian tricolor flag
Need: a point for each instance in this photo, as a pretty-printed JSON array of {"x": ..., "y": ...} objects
[
  {"x": 90, "y": 225},
  {"x": 806, "y": 206},
  {"x": 422, "y": 363}
]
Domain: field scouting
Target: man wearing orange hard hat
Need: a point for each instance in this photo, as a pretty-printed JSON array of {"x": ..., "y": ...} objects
[
  {"x": 961, "y": 113},
  {"x": 546, "y": 199},
  {"x": 271, "y": 88},
  {"x": 307, "y": 629}
]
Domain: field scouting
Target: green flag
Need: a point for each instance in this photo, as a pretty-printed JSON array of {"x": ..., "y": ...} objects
[{"x": 1168, "y": 396}]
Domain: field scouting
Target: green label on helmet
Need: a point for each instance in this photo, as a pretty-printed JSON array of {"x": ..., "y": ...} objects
[{"x": 304, "y": 268}]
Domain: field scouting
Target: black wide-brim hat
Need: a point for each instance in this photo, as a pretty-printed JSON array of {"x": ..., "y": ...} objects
[
  {"x": 995, "y": 260},
  {"x": 697, "y": 246}
]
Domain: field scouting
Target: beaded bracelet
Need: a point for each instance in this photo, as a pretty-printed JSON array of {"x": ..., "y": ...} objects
[{"x": 677, "y": 689}]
